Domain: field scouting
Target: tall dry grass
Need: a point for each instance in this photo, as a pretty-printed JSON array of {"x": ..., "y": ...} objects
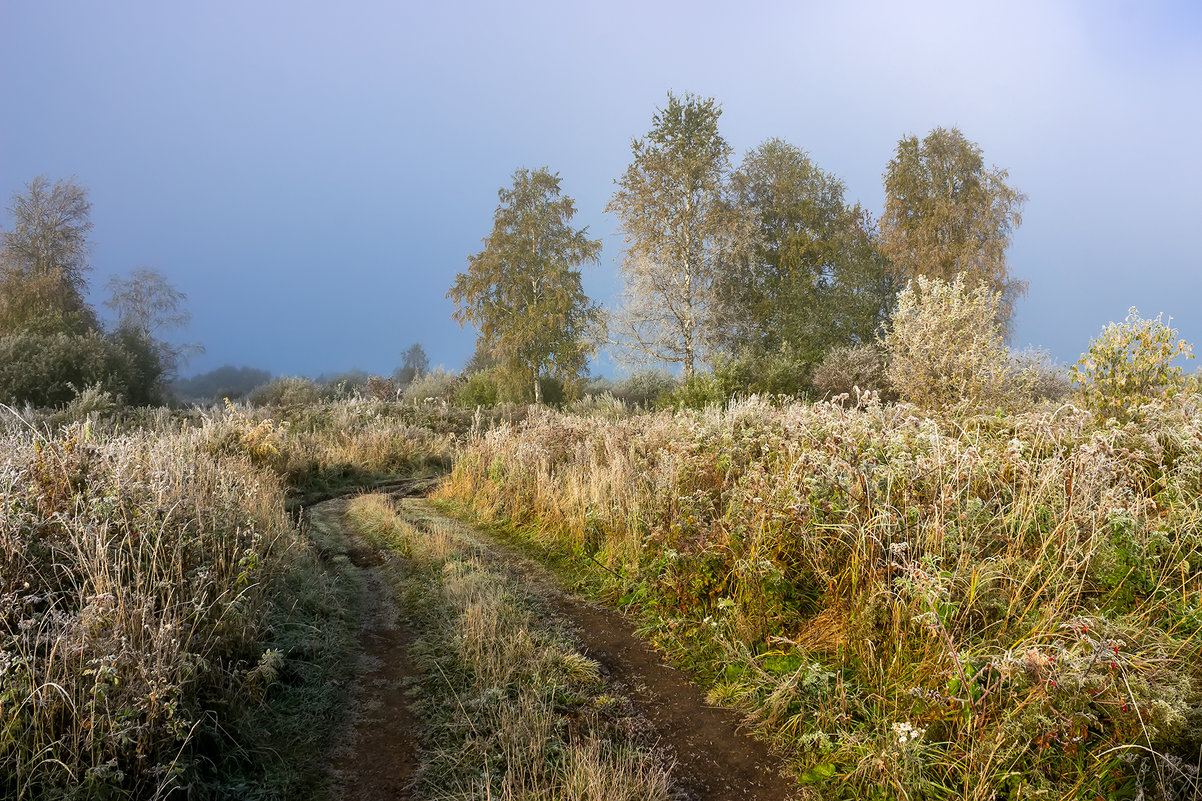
[
  {"x": 955, "y": 608},
  {"x": 156, "y": 597},
  {"x": 131, "y": 588},
  {"x": 328, "y": 448}
]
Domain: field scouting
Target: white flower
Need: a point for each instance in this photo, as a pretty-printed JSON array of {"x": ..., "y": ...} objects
[{"x": 907, "y": 733}]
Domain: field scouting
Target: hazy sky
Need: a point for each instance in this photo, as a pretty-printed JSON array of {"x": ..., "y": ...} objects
[{"x": 314, "y": 174}]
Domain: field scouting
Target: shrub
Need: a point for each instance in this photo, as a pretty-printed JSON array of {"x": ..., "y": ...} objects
[
  {"x": 554, "y": 391},
  {"x": 698, "y": 392},
  {"x": 946, "y": 347},
  {"x": 605, "y": 404},
  {"x": 645, "y": 387},
  {"x": 777, "y": 373},
  {"x": 437, "y": 385},
  {"x": 850, "y": 370},
  {"x": 47, "y": 369},
  {"x": 287, "y": 391},
  {"x": 381, "y": 388},
  {"x": 480, "y": 389},
  {"x": 344, "y": 386},
  {"x": 1045, "y": 378},
  {"x": 597, "y": 385},
  {"x": 1130, "y": 364}
]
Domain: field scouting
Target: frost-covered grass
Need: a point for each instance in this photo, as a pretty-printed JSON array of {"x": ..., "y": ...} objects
[
  {"x": 511, "y": 709},
  {"x": 133, "y": 573},
  {"x": 166, "y": 628},
  {"x": 962, "y": 607}
]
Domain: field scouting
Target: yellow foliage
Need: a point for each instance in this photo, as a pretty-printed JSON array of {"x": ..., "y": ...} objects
[{"x": 1130, "y": 364}]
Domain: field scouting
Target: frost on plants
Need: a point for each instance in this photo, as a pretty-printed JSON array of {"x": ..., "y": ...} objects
[
  {"x": 946, "y": 348},
  {"x": 1129, "y": 365},
  {"x": 1008, "y": 608}
]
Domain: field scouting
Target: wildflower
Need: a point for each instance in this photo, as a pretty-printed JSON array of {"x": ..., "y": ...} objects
[{"x": 907, "y": 733}]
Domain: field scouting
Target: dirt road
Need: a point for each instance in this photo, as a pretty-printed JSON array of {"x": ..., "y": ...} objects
[
  {"x": 715, "y": 759},
  {"x": 378, "y": 755}
]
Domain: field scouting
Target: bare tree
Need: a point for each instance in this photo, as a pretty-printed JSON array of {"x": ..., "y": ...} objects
[
  {"x": 145, "y": 301},
  {"x": 147, "y": 305}
]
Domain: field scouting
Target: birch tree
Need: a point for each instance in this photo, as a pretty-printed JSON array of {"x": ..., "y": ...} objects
[
  {"x": 814, "y": 278},
  {"x": 681, "y": 231},
  {"x": 147, "y": 306},
  {"x": 946, "y": 213},
  {"x": 44, "y": 260},
  {"x": 523, "y": 291}
]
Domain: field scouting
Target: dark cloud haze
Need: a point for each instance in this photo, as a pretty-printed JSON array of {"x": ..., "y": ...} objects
[{"x": 313, "y": 174}]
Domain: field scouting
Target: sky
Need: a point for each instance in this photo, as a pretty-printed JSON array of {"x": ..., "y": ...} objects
[{"x": 313, "y": 175}]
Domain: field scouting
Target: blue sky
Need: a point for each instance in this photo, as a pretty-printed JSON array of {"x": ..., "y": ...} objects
[{"x": 314, "y": 174}]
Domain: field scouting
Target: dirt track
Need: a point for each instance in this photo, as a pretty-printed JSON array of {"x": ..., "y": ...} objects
[
  {"x": 378, "y": 758},
  {"x": 715, "y": 760}
]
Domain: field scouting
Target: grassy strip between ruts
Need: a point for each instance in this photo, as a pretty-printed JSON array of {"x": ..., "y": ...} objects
[{"x": 513, "y": 710}]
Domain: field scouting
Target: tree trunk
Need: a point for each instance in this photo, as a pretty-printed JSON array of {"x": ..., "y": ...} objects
[{"x": 538, "y": 390}]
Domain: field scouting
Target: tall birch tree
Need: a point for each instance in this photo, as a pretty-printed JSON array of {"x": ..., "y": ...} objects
[
  {"x": 946, "y": 213},
  {"x": 523, "y": 291},
  {"x": 681, "y": 230},
  {"x": 814, "y": 278}
]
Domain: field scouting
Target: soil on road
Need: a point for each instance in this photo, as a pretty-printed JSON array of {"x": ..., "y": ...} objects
[{"x": 714, "y": 757}]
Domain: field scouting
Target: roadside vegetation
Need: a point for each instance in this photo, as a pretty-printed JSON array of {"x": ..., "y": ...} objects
[
  {"x": 166, "y": 627},
  {"x": 510, "y": 708},
  {"x": 989, "y": 596}
]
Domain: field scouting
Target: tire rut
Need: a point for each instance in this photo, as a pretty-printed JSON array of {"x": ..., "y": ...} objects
[
  {"x": 378, "y": 756},
  {"x": 715, "y": 759}
]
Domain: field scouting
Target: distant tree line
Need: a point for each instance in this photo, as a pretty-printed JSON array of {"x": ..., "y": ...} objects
[
  {"x": 226, "y": 381},
  {"x": 757, "y": 272},
  {"x": 52, "y": 343}
]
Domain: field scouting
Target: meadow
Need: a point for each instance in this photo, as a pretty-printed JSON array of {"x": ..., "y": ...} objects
[
  {"x": 911, "y": 606},
  {"x": 907, "y": 602}
]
